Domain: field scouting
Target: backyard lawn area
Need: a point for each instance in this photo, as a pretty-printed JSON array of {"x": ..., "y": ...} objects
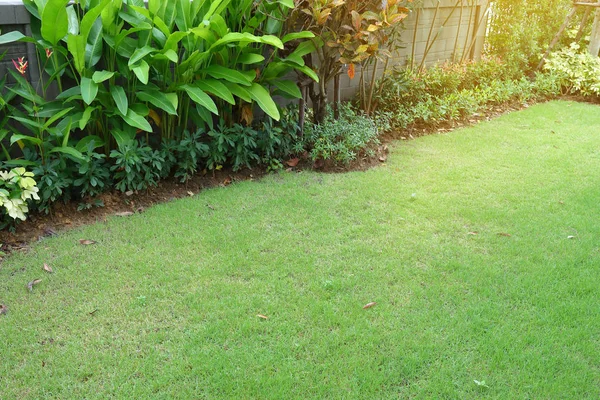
[{"x": 480, "y": 248}]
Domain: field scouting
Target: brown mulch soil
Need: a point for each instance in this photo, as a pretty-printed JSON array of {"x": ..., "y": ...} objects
[{"x": 66, "y": 216}]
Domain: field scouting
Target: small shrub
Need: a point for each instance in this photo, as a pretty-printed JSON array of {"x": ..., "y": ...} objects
[
  {"x": 17, "y": 187},
  {"x": 578, "y": 72},
  {"x": 136, "y": 166},
  {"x": 94, "y": 173},
  {"x": 341, "y": 140}
]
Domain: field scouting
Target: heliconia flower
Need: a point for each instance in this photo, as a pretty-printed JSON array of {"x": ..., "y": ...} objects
[
  {"x": 21, "y": 66},
  {"x": 49, "y": 53}
]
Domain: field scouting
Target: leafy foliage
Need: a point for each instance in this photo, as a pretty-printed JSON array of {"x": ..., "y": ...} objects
[
  {"x": 341, "y": 140},
  {"x": 578, "y": 72},
  {"x": 17, "y": 187}
]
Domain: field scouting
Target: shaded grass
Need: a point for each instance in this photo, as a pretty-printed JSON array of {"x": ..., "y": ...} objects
[{"x": 177, "y": 289}]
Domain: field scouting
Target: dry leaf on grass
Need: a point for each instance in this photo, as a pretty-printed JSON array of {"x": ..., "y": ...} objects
[
  {"x": 31, "y": 284},
  {"x": 262, "y": 316},
  {"x": 47, "y": 268},
  {"x": 124, "y": 214},
  {"x": 369, "y": 305},
  {"x": 472, "y": 233},
  {"x": 3, "y": 309},
  {"x": 571, "y": 237},
  {"x": 190, "y": 193},
  {"x": 504, "y": 234},
  {"x": 86, "y": 242}
]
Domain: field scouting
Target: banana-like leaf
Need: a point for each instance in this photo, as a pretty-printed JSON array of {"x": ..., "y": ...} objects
[
  {"x": 71, "y": 151},
  {"x": 297, "y": 35},
  {"x": 264, "y": 100},
  {"x": 216, "y": 88},
  {"x": 228, "y": 74},
  {"x": 83, "y": 143},
  {"x": 136, "y": 120},
  {"x": 101, "y": 76},
  {"x": 32, "y": 139},
  {"x": 250, "y": 58},
  {"x": 288, "y": 87},
  {"x": 90, "y": 18},
  {"x": 93, "y": 47},
  {"x": 73, "y": 20},
  {"x": 142, "y": 71},
  {"x": 201, "y": 98},
  {"x": 239, "y": 91},
  {"x": 139, "y": 54},
  {"x": 159, "y": 99},
  {"x": 76, "y": 47},
  {"x": 56, "y": 117},
  {"x": 55, "y": 21},
  {"x": 10, "y": 37},
  {"x": 89, "y": 90},
  {"x": 120, "y": 98},
  {"x": 86, "y": 117}
]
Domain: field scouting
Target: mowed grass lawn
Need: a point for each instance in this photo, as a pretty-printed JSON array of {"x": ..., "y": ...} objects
[{"x": 166, "y": 304}]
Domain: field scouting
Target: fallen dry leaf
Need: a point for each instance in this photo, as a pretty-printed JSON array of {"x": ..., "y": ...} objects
[
  {"x": 140, "y": 210},
  {"x": 124, "y": 214},
  {"x": 369, "y": 305},
  {"x": 47, "y": 268},
  {"x": 227, "y": 181},
  {"x": 129, "y": 193},
  {"x": 293, "y": 162},
  {"x": 31, "y": 284},
  {"x": 504, "y": 234},
  {"x": 3, "y": 309},
  {"x": 211, "y": 207},
  {"x": 571, "y": 237},
  {"x": 382, "y": 158},
  {"x": 262, "y": 316},
  {"x": 190, "y": 193},
  {"x": 472, "y": 233},
  {"x": 86, "y": 242}
]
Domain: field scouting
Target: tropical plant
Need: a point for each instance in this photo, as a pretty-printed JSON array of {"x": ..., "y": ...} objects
[{"x": 17, "y": 187}]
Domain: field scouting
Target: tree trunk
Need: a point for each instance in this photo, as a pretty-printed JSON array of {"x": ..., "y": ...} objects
[{"x": 595, "y": 36}]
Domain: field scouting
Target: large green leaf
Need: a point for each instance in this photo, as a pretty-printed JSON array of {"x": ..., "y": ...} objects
[
  {"x": 56, "y": 117},
  {"x": 55, "y": 21},
  {"x": 93, "y": 47},
  {"x": 142, "y": 71},
  {"x": 32, "y": 139},
  {"x": 10, "y": 37},
  {"x": 227, "y": 74},
  {"x": 73, "y": 20},
  {"x": 122, "y": 137},
  {"x": 76, "y": 47},
  {"x": 216, "y": 88},
  {"x": 250, "y": 58},
  {"x": 239, "y": 91},
  {"x": 140, "y": 53},
  {"x": 83, "y": 143},
  {"x": 71, "y": 151},
  {"x": 288, "y": 87},
  {"x": 297, "y": 35},
  {"x": 101, "y": 76},
  {"x": 86, "y": 117},
  {"x": 120, "y": 98},
  {"x": 200, "y": 97},
  {"x": 89, "y": 90},
  {"x": 160, "y": 100},
  {"x": 90, "y": 17},
  {"x": 136, "y": 120},
  {"x": 264, "y": 100}
]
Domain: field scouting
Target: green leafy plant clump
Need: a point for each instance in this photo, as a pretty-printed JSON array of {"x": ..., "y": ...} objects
[
  {"x": 342, "y": 140},
  {"x": 17, "y": 188},
  {"x": 577, "y": 71}
]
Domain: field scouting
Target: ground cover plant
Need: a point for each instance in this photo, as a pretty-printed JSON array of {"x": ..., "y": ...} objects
[{"x": 478, "y": 248}]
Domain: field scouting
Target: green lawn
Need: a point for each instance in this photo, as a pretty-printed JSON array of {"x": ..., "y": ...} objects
[{"x": 177, "y": 289}]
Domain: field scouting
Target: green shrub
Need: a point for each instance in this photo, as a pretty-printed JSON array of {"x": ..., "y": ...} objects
[
  {"x": 136, "y": 166},
  {"x": 341, "y": 140},
  {"x": 577, "y": 71},
  {"x": 17, "y": 187}
]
